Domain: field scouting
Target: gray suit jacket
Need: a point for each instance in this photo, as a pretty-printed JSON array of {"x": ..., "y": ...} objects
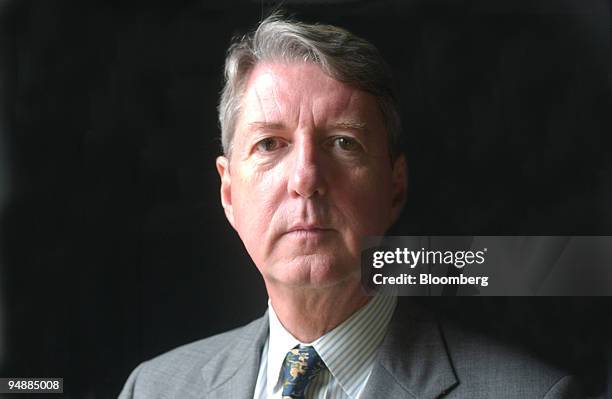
[{"x": 420, "y": 357}]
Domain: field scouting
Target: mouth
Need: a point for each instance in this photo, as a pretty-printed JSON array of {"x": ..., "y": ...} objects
[{"x": 309, "y": 231}]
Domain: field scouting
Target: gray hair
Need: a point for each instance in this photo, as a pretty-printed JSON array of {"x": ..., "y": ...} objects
[{"x": 340, "y": 54}]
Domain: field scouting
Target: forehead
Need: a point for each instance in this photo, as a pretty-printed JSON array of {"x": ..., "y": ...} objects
[{"x": 301, "y": 92}]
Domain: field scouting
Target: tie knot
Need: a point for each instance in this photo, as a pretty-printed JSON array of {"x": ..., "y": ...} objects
[{"x": 301, "y": 365}]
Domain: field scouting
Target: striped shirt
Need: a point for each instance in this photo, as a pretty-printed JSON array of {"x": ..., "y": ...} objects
[{"x": 348, "y": 351}]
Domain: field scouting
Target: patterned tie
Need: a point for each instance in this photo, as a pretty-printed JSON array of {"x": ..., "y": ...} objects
[{"x": 301, "y": 365}]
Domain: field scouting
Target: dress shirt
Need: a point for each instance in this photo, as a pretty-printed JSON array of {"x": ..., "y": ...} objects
[{"x": 348, "y": 352}]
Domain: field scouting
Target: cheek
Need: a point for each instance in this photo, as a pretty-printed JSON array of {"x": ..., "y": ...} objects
[
  {"x": 255, "y": 197},
  {"x": 364, "y": 199}
]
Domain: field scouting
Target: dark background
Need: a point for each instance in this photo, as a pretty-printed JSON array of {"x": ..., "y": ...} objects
[{"x": 114, "y": 247}]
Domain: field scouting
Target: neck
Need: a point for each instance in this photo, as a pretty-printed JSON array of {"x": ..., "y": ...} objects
[{"x": 308, "y": 313}]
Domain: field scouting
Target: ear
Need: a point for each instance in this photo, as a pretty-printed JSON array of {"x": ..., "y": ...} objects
[
  {"x": 226, "y": 188},
  {"x": 399, "y": 180}
]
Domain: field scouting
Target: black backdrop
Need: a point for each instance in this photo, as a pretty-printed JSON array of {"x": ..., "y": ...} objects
[{"x": 114, "y": 244}]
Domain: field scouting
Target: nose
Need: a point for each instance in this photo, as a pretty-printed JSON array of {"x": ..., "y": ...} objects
[{"x": 306, "y": 179}]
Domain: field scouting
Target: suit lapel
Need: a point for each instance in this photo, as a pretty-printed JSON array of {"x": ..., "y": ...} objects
[
  {"x": 412, "y": 361},
  {"x": 233, "y": 372}
]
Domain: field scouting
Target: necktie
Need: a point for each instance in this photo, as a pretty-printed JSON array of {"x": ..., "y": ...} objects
[{"x": 301, "y": 365}]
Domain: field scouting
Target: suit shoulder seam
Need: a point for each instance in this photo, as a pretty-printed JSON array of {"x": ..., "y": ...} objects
[{"x": 563, "y": 377}]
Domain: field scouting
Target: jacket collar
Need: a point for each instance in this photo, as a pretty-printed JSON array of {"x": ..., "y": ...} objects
[
  {"x": 412, "y": 361},
  {"x": 232, "y": 373}
]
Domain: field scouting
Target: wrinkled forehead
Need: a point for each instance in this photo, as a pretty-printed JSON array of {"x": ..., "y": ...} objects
[{"x": 301, "y": 92}]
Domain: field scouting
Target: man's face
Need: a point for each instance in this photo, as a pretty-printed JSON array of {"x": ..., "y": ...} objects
[{"x": 309, "y": 175}]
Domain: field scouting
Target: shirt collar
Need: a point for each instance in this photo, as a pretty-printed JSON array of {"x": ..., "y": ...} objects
[{"x": 348, "y": 350}]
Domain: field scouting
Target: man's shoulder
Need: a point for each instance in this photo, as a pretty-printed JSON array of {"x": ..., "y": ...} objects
[
  {"x": 474, "y": 363},
  {"x": 201, "y": 351},
  {"x": 483, "y": 363},
  {"x": 182, "y": 368}
]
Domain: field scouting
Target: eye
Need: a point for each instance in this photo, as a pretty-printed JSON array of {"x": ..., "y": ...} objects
[
  {"x": 347, "y": 144},
  {"x": 269, "y": 144}
]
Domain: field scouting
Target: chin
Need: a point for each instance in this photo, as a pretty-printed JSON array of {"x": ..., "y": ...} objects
[{"x": 316, "y": 271}]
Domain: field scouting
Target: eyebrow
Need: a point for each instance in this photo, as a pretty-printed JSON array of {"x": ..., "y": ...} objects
[
  {"x": 266, "y": 126},
  {"x": 350, "y": 125},
  {"x": 347, "y": 125}
]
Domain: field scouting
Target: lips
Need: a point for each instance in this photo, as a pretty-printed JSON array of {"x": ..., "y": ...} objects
[
  {"x": 308, "y": 228},
  {"x": 308, "y": 231}
]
